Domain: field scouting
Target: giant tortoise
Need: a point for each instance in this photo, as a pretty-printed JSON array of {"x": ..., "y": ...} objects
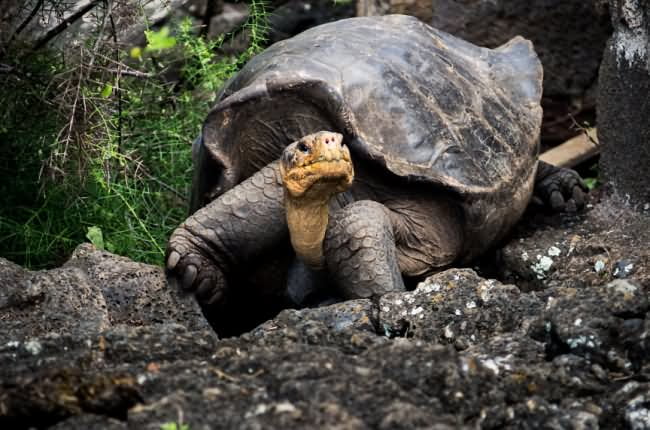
[{"x": 370, "y": 149}]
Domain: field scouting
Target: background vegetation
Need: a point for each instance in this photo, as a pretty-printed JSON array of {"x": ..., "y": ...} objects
[{"x": 96, "y": 137}]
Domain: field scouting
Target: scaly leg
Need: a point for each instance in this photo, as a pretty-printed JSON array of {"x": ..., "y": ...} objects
[
  {"x": 360, "y": 250},
  {"x": 231, "y": 231}
]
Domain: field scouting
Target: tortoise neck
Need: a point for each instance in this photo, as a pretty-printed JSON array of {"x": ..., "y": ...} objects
[{"x": 307, "y": 221}]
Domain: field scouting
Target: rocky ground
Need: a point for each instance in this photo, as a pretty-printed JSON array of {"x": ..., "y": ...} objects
[{"x": 562, "y": 342}]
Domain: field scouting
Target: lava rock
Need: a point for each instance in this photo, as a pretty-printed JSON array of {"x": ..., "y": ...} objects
[
  {"x": 135, "y": 293},
  {"x": 571, "y": 353},
  {"x": 601, "y": 324},
  {"x": 34, "y": 303},
  {"x": 623, "y": 269},
  {"x": 457, "y": 307},
  {"x": 90, "y": 421},
  {"x": 623, "y": 102},
  {"x": 582, "y": 250}
]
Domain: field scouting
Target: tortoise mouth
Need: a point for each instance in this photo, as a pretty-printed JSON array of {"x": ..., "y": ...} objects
[{"x": 318, "y": 165}]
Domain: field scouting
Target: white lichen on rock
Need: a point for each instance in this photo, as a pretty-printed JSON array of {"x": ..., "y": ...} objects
[
  {"x": 285, "y": 407},
  {"x": 631, "y": 42},
  {"x": 484, "y": 289},
  {"x": 33, "y": 346},
  {"x": 636, "y": 415},
  {"x": 497, "y": 364},
  {"x": 417, "y": 310},
  {"x": 448, "y": 333},
  {"x": 626, "y": 270},
  {"x": 426, "y": 287},
  {"x": 590, "y": 341},
  {"x": 554, "y": 251},
  {"x": 542, "y": 266},
  {"x": 623, "y": 287},
  {"x": 491, "y": 365}
]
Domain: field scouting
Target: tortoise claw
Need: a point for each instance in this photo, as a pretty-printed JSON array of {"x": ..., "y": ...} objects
[
  {"x": 216, "y": 297},
  {"x": 579, "y": 196},
  {"x": 172, "y": 260},
  {"x": 571, "y": 206},
  {"x": 189, "y": 276},
  {"x": 562, "y": 189},
  {"x": 557, "y": 201},
  {"x": 205, "y": 290}
]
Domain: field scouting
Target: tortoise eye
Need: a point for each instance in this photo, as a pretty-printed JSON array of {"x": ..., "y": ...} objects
[{"x": 302, "y": 147}]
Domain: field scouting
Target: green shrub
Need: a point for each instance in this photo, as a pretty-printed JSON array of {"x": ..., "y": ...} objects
[{"x": 94, "y": 154}]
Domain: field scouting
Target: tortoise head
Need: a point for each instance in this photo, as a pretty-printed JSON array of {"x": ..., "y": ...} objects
[{"x": 316, "y": 166}]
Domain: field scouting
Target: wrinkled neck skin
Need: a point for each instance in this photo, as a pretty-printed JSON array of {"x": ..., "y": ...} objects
[{"x": 307, "y": 221}]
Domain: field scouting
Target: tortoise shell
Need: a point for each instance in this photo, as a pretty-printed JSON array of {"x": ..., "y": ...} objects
[{"x": 416, "y": 101}]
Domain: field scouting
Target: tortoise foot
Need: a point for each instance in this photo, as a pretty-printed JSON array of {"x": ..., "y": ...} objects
[
  {"x": 190, "y": 269},
  {"x": 559, "y": 188}
]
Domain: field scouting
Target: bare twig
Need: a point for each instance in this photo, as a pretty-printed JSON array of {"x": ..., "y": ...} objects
[
  {"x": 24, "y": 24},
  {"x": 140, "y": 168},
  {"x": 122, "y": 68},
  {"x": 68, "y": 129},
  {"x": 132, "y": 72},
  {"x": 108, "y": 10},
  {"x": 118, "y": 84}
]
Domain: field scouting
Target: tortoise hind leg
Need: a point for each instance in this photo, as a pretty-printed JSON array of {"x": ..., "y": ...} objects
[{"x": 360, "y": 250}]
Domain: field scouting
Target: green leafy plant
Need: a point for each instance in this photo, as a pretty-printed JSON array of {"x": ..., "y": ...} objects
[
  {"x": 592, "y": 181},
  {"x": 159, "y": 40},
  {"x": 98, "y": 146},
  {"x": 95, "y": 236},
  {"x": 203, "y": 70}
]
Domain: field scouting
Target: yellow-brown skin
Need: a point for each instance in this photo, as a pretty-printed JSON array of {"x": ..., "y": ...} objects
[{"x": 313, "y": 169}]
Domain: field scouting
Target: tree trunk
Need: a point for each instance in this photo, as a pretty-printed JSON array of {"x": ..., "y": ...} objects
[{"x": 624, "y": 101}]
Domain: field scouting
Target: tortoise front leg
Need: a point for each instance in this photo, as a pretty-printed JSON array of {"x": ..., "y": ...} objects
[
  {"x": 360, "y": 250},
  {"x": 226, "y": 234}
]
